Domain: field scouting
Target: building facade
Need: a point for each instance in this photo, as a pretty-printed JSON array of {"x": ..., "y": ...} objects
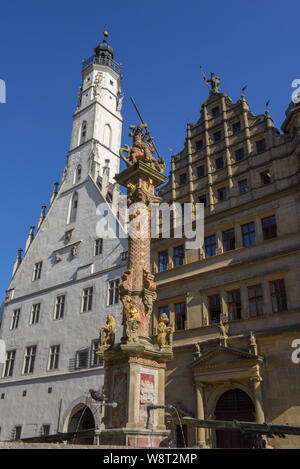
[
  {"x": 67, "y": 281},
  {"x": 244, "y": 281}
]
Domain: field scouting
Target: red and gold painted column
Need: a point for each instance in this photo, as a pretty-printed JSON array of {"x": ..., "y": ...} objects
[{"x": 135, "y": 368}]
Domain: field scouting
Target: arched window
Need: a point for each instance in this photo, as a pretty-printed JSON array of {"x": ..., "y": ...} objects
[
  {"x": 77, "y": 174},
  {"x": 107, "y": 136},
  {"x": 73, "y": 206},
  {"x": 83, "y": 132}
]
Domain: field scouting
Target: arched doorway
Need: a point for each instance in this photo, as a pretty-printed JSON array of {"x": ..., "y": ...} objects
[
  {"x": 81, "y": 419},
  {"x": 234, "y": 404}
]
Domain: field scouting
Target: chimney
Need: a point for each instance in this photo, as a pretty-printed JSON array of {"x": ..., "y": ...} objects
[
  {"x": 42, "y": 216},
  {"x": 30, "y": 238},
  {"x": 54, "y": 193},
  {"x": 17, "y": 261}
]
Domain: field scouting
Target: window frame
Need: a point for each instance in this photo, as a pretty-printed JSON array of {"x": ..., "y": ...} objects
[
  {"x": 28, "y": 365},
  {"x": 8, "y": 366},
  {"x": 15, "y": 319},
  {"x": 87, "y": 300},
  {"x": 231, "y": 230},
  {"x": 180, "y": 317},
  {"x": 37, "y": 271},
  {"x": 280, "y": 296},
  {"x": 234, "y": 304},
  {"x": 113, "y": 294},
  {"x": 53, "y": 359},
  {"x": 211, "y": 245},
  {"x": 258, "y": 299},
  {"x": 269, "y": 231},
  {"x": 178, "y": 255},
  {"x": 98, "y": 246},
  {"x": 249, "y": 234},
  {"x": 211, "y": 306},
  {"x": 35, "y": 314},
  {"x": 161, "y": 260}
]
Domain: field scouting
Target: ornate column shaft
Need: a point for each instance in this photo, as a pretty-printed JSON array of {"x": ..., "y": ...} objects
[{"x": 200, "y": 431}]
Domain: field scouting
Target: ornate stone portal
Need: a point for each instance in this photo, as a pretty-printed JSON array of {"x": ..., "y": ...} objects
[{"x": 135, "y": 368}]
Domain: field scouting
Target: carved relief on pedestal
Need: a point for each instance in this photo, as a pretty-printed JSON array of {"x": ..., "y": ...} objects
[{"x": 146, "y": 398}]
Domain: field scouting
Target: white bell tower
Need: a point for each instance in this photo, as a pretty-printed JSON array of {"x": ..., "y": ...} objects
[{"x": 97, "y": 121}]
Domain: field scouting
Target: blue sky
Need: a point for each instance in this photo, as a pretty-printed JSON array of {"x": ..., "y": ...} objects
[{"x": 161, "y": 45}]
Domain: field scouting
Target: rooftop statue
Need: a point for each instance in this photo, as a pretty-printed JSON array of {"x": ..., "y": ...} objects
[{"x": 214, "y": 82}]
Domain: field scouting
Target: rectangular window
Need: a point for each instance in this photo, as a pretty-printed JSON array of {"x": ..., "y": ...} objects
[
  {"x": 243, "y": 186},
  {"x": 82, "y": 357},
  {"x": 200, "y": 171},
  {"x": 219, "y": 163},
  {"x": 261, "y": 146},
  {"x": 210, "y": 243},
  {"x": 35, "y": 314},
  {"x": 98, "y": 246},
  {"x": 278, "y": 296},
  {"x": 229, "y": 240},
  {"x": 234, "y": 305},
  {"x": 182, "y": 179},
  {"x": 236, "y": 127},
  {"x": 214, "y": 308},
  {"x": 255, "y": 298},
  {"x": 15, "y": 319},
  {"x": 113, "y": 292},
  {"x": 265, "y": 177},
  {"x": 59, "y": 307},
  {"x": 199, "y": 145},
  {"x": 17, "y": 432},
  {"x": 87, "y": 300},
  {"x": 95, "y": 359},
  {"x": 217, "y": 136},
  {"x": 222, "y": 194},
  {"x": 248, "y": 233},
  {"x": 29, "y": 359},
  {"x": 178, "y": 255},
  {"x": 53, "y": 357},
  {"x": 8, "y": 367},
  {"x": 37, "y": 270},
  {"x": 269, "y": 227},
  {"x": 202, "y": 199},
  {"x": 163, "y": 260},
  {"x": 45, "y": 430},
  {"x": 239, "y": 154},
  {"x": 180, "y": 316}
]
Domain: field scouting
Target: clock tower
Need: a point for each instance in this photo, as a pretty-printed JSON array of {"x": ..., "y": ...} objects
[{"x": 97, "y": 121}]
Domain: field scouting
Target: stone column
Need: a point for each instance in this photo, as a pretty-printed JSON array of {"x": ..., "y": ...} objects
[
  {"x": 238, "y": 236},
  {"x": 200, "y": 432},
  {"x": 258, "y": 230},
  {"x": 259, "y": 413}
]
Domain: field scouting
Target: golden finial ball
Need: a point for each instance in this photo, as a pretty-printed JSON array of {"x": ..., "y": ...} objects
[{"x": 105, "y": 34}]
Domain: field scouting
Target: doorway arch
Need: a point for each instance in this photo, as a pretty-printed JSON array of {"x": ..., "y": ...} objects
[
  {"x": 234, "y": 404},
  {"x": 81, "y": 418}
]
